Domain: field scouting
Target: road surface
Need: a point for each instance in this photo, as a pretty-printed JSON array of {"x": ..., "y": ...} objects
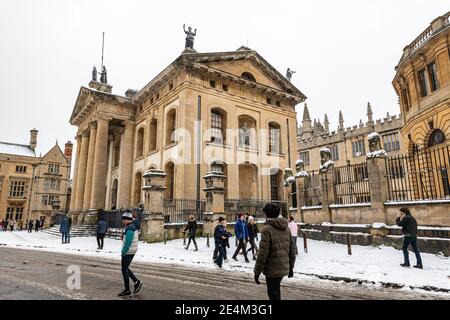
[{"x": 28, "y": 274}]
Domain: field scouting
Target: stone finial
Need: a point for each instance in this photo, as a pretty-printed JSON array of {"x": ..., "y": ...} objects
[
  {"x": 369, "y": 113},
  {"x": 306, "y": 116},
  {"x": 326, "y": 123},
  {"x": 341, "y": 121},
  {"x": 33, "y": 138}
]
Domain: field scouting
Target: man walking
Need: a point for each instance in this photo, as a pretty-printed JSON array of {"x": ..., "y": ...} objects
[
  {"x": 36, "y": 225},
  {"x": 276, "y": 255},
  {"x": 252, "y": 235},
  {"x": 129, "y": 248},
  {"x": 409, "y": 230},
  {"x": 241, "y": 232},
  {"x": 102, "y": 229},
  {"x": 65, "y": 230},
  {"x": 30, "y": 226},
  {"x": 220, "y": 236}
]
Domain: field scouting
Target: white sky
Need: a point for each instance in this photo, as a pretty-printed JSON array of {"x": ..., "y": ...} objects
[{"x": 344, "y": 52}]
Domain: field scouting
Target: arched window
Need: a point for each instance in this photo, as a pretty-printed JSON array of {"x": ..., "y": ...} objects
[
  {"x": 153, "y": 134},
  {"x": 140, "y": 143},
  {"x": 116, "y": 151},
  {"x": 171, "y": 126},
  {"x": 437, "y": 137},
  {"x": 248, "y": 76},
  {"x": 218, "y": 126},
  {"x": 138, "y": 188},
  {"x": 247, "y": 131},
  {"x": 169, "y": 170},
  {"x": 276, "y": 180},
  {"x": 274, "y": 137}
]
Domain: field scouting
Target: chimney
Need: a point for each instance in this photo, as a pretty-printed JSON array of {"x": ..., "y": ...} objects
[
  {"x": 68, "y": 150},
  {"x": 33, "y": 138}
]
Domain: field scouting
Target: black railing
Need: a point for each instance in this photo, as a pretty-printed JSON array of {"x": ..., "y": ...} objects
[
  {"x": 251, "y": 207},
  {"x": 312, "y": 192},
  {"x": 351, "y": 184},
  {"x": 114, "y": 218},
  {"x": 179, "y": 210},
  {"x": 422, "y": 175}
]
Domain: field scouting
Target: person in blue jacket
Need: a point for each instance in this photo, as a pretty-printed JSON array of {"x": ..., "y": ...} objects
[
  {"x": 220, "y": 236},
  {"x": 65, "y": 230},
  {"x": 129, "y": 248},
  {"x": 241, "y": 232}
]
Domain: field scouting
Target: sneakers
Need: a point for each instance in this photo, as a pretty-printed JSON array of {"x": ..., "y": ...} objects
[
  {"x": 137, "y": 286},
  {"x": 404, "y": 265},
  {"x": 418, "y": 267},
  {"x": 124, "y": 293}
]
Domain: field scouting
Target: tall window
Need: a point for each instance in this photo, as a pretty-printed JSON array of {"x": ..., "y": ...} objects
[
  {"x": 274, "y": 138},
  {"x": 53, "y": 168},
  {"x": 423, "y": 83},
  {"x": 247, "y": 131},
  {"x": 305, "y": 157},
  {"x": 153, "y": 134},
  {"x": 358, "y": 148},
  {"x": 433, "y": 75},
  {"x": 17, "y": 189},
  {"x": 19, "y": 213},
  {"x": 334, "y": 152},
  {"x": 52, "y": 184},
  {"x": 140, "y": 143},
  {"x": 405, "y": 98},
  {"x": 217, "y": 127},
  {"x": 170, "y": 126},
  {"x": 9, "y": 213},
  {"x": 391, "y": 142},
  {"x": 275, "y": 185}
]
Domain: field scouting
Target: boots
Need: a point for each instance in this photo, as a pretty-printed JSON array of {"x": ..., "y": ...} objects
[{"x": 196, "y": 247}]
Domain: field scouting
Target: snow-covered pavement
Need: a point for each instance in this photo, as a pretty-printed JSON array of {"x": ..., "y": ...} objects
[{"x": 367, "y": 264}]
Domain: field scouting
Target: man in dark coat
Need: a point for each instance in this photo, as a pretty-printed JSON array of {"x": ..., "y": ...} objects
[
  {"x": 276, "y": 255},
  {"x": 30, "y": 226},
  {"x": 102, "y": 229},
  {"x": 192, "y": 229},
  {"x": 37, "y": 225},
  {"x": 241, "y": 232},
  {"x": 220, "y": 235},
  {"x": 65, "y": 230},
  {"x": 409, "y": 230}
]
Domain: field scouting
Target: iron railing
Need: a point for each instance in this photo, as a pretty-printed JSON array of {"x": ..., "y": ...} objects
[
  {"x": 312, "y": 192},
  {"x": 251, "y": 207},
  {"x": 422, "y": 175},
  {"x": 179, "y": 210},
  {"x": 351, "y": 184}
]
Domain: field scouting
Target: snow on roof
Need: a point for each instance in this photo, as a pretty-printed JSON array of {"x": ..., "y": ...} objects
[{"x": 16, "y": 149}]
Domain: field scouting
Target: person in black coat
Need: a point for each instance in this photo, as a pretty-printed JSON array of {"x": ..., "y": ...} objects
[
  {"x": 252, "y": 235},
  {"x": 192, "y": 229},
  {"x": 36, "y": 225},
  {"x": 30, "y": 226},
  {"x": 220, "y": 236},
  {"x": 409, "y": 230}
]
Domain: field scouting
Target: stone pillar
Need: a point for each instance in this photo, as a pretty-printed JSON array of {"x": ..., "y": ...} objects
[
  {"x": 326, "y": 187},
  {"x": 215, "y": 200},
  {"x": 100, "y": 166},
  {"x": 90, "y": 167},
  {"x": 379, "y": 189},
  {"x": 75, "y": 173},
  {"x": 152, "y": 226},
  {"x": 126, "y": 166},
  {"x": 81, "y": 176}
]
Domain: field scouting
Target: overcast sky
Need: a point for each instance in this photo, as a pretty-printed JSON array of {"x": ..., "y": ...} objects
[{"x": 344, "y": 52}]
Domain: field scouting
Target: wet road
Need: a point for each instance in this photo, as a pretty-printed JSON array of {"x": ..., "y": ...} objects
[{"x": 33, "y": 275}]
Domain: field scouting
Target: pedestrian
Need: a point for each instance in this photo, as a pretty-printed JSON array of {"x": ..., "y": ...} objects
[
  {"x": 36, "y": 225},
  {"x": 276, "y": 255},
  {"x": 409, "y": 231},
  {"x": 5, "y": 225},
  {"x": 30, "y": 226},
  {"x": 252, "y": 228},
  {"x": 294, "y": 231},
  {"x": 226, "y": 244},
  {"x": 65, "y": 230},
  {"x": 129, "y": 249},
  {"x": 69, "y": 220},
  {"x": 1, "y": 225},
  {"x": 241, "y": 232},
  {"x": 20, "y": 225},
  {"x": 220, "y": 235},
  {"x": 13, "y": 225},
  {"x": 102, "y": 229},
  {"x": 42, "y": 222},
  {"x": 191, "y": 228}
]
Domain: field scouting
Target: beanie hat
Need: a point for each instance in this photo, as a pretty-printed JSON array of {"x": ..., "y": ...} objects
[
  {"x": 221, "y": 219},
  {"x": 127, "y": 216},
  {"x": 240, "y": 214},
  {"x": 250, "y": 218}
]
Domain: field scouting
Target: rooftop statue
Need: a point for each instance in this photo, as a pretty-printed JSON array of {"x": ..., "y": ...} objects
[
  {"x": 189, "y": 37},
  {"x": 289, "y": 73}
]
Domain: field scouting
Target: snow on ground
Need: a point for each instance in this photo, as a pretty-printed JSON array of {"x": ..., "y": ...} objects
[{"x": 377, "y": 264}]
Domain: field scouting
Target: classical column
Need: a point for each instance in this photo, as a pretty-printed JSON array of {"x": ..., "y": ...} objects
[
  {"x": 126, "y": 162},
  {"x": 100, "y": 165},
  {"x": 81, "y": 176},
  {"x": 75, "y": 173},
  {"x": 90, "y": 167}
]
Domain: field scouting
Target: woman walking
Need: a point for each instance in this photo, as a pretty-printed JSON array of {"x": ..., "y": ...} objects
[
  {"x": 252, "y": 235},
  {"x": 192, "y": 229}
]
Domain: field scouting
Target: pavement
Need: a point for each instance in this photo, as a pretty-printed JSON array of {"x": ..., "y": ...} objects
[{"x": 39, "y": 275}]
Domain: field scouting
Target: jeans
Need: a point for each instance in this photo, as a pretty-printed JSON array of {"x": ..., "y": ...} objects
[
  {"x": 191, "y": 237},
  {"x": 407, "y": 240},
  {"x": 274, "y": 288},
  {"x": 220, "y": 253},
  {"x": 295, "y": 243},
  {"x": 241, "y": 245},
  {"x": 65, "y": 237},
  {"x": 100, "y": 240},
  {"x": 254, "y": 247},
  {"x": 216, "y": 251},
  {"x": 126, "y": 271}
]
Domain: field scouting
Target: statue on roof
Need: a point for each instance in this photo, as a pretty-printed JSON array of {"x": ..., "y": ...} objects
[
  {"x": 94, "y": 74},
  {"x": 103, "y": 78},
  {"x": 189, "y": 37},
  {"x": 289, "y": 73}
]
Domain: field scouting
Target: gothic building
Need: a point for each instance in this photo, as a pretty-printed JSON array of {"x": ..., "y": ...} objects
[{"x": 223, "y": 111}]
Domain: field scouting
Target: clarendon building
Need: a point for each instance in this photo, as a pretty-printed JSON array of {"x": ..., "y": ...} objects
[
  {"x": 33, "y": 187},
  {"x": 224, "y": 111}
]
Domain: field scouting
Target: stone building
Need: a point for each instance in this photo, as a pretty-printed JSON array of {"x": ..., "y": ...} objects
[
  {"x": 33, "y": 186},
  {"x": 224, "y": 111},
  {"x": 422, "y": 82},
  {"x": 348, "y": 145}
]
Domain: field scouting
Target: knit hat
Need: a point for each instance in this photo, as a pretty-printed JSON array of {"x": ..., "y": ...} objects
[
  {"x": 250, "y": 218},
  {"x": 221, "y": 219},
  {"x": 127, "y": 216}
]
